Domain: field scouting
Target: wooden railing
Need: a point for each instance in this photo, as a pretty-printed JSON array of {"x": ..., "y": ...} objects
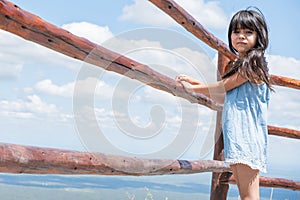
[{"x": 24, "y": 159}]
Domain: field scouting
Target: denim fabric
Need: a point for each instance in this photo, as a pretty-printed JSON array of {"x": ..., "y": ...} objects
[{"x": 244, "y": 123}]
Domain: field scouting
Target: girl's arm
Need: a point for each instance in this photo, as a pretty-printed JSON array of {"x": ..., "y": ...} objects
[{"x": 213, "y": 89}]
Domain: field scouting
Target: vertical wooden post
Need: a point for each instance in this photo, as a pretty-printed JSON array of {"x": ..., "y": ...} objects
[{"x": 219, "y": 191}]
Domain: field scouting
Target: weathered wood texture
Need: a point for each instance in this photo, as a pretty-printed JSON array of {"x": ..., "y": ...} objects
[
  {"x": 183, "y": 18},
  {"x": 34, "y": 160},
  {"x": 269, "y": 182},
  {"x": 30, "y": 27},
  {"x": 219, "y": 191}
]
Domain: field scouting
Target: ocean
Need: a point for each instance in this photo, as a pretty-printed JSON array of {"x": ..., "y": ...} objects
[{"x": 90, "y": 187}]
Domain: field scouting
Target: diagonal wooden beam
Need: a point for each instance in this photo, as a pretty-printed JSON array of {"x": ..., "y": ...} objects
[
  {"x": 186, "y": 20},
  {"x": 30, "y": 27},
  {"x": 183, "y": 18},
  {"x": 284, "y": 132},
  {"x": 35, "y": 160},
  {"x": 285, "y": 81}
]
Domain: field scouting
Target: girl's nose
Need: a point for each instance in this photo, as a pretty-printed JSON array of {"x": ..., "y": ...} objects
[{"x": 241, "y": 36}]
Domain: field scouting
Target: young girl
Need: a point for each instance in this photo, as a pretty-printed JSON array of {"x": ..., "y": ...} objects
[{"x": 247, "y": 85}]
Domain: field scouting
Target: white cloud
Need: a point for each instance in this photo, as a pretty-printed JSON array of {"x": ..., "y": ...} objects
[
  {"x": 10, "y": 70},
  {"x": 89, "y": 86},
  {"x": 283, "y": 108},
  {"x": 89, "y": 31},
  {"x": 201, "y": 65},
  {"x": 31, "y": 107},
  {"x": 209, "y": 14},
  {"x": 282, "y": 153},
  {"x": 171, "y": 62},
  {"x": 283, "y": 114},
  {"x": 284, "y": 66},
  {"x": 31, "y": 110},
  {"x": 94, "y": 87},
  {"x": 48, "y": 87},
  {"x": 124, "y": 46},
  {"x": 284, "y": 104},
  {"x": 17, "y": 52},
  {"x": 144, "y": 12}
]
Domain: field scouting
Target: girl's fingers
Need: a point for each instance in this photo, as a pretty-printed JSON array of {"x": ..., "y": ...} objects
[{"x": 180, "y": 77}]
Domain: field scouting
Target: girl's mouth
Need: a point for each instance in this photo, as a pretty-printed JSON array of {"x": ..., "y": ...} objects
[{"x": 241, "y": 43}]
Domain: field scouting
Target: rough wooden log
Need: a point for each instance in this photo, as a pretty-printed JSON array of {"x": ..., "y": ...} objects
[
  {"x": 30, "y": 27},
  {"x": 35, "y": 160},
  {"x": 183, "y": 18},
  {"x": 219, "y": 191},
  {"x": 284, "y": 132},
  {"x": 285, "y": 82},
  {"x": 269, "y": 182}
]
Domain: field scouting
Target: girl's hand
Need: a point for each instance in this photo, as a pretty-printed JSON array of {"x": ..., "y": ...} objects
[
  {"x": 187, "y": 79},
  {"x": 187, "y": 82}
]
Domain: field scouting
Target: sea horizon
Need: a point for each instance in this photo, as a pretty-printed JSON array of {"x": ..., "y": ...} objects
[{"x": 28, "y": 186}]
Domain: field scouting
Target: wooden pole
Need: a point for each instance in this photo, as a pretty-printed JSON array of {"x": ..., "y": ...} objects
[{"x": 219, "y": 191}]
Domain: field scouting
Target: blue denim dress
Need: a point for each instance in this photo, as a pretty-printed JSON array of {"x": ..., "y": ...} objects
[{"x": 244, "y": 124}]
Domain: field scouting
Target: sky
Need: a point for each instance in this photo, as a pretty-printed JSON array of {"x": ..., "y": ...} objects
[{"x": 50, "y": 100}]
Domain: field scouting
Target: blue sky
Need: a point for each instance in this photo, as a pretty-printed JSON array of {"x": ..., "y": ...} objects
[{"x": 37, "y": 85}]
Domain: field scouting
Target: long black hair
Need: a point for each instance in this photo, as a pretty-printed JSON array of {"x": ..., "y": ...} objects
[{"x": 252, "y": 66}]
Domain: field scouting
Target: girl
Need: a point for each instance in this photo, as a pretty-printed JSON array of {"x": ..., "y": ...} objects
[{"x": 247, "y": 85}]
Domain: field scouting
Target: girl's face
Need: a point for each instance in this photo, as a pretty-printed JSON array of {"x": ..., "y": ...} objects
[{"x": 243, "y": 40}]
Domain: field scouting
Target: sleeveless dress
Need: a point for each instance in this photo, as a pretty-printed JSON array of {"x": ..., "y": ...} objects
[{"x": 244, "y": 124}]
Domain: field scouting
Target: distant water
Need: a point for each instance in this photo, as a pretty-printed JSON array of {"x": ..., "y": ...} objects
[{"x": 77, "y": 187}]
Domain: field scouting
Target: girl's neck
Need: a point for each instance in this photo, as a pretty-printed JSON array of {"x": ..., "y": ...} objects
[{"x": 242, "y": 54}]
